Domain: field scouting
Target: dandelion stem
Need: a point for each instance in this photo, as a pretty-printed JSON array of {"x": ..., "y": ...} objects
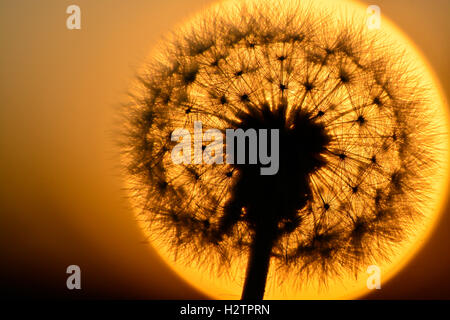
[{"x": 258, "y": 263}]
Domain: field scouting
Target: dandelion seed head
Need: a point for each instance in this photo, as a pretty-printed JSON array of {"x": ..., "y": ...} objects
[{"x": 316, "y": 75}]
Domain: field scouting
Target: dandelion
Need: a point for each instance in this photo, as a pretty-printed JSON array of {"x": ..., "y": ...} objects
[{"x": 357, "y": 130}]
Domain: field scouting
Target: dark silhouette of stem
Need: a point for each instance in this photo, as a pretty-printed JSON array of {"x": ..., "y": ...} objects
[{"x": 258, "y": 264}]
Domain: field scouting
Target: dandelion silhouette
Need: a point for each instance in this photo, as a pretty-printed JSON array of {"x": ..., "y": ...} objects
[{"x": 356, "y": 142}]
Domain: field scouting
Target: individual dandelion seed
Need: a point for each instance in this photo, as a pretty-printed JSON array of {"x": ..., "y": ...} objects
[{"x": 360, "y": 146}]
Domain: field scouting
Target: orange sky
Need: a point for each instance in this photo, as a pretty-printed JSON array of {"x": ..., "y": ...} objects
[{"x": 61, "y": 198}]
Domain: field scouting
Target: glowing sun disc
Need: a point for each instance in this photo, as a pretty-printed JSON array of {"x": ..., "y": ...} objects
[{"x": 224, "y": 287}]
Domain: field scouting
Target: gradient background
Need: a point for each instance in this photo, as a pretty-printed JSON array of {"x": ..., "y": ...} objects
[{"x": 61, "y": 197}]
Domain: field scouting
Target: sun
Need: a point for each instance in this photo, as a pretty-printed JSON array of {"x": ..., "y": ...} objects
[{"x": 226, "y": 283}]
